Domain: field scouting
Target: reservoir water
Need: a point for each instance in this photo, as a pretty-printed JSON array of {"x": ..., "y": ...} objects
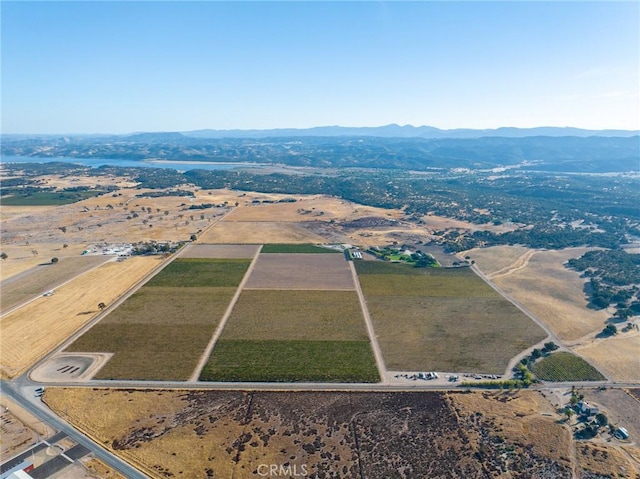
[{"x": 123, "y": 162}]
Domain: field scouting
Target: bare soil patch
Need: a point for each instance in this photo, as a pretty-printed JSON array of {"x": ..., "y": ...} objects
[
  {"x": 618, "y": 357},
  {"x": 219, "y": 251},
  {"x": 19, "y": 429},
  {"x": 301, "y": 271},
  {"x": 45, "y": 277},
  {"x": 341, "y": 435},
  {"x": 621, "y": 408},
  {"x": 46, "y": 322}
]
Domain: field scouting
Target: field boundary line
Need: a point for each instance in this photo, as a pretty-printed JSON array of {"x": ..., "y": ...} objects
[
  {"x": 225, "y": 317},
  {"x": 377, "y": 352}
]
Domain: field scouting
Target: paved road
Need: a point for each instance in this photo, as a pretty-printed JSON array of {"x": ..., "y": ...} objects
[{"x": 23, "y": 395}]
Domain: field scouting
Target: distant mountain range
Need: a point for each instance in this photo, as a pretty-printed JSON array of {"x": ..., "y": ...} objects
[
  {"x": 393, "y": 146},
  {"x": 408, "y": 131}
]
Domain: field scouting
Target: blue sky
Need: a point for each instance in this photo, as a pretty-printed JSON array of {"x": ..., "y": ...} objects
[{"x": 118, "y": 67}]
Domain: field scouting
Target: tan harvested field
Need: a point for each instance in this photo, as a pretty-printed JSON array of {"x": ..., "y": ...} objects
[
  {"x": 301, "y": 271},
  {"x": 308, "y": 208},
  {"x": 236, "y": 232},
  {"x": 219, "y": 251},
  {"x": 496, "y": 258},
  {"x": 340, "y": 435},
  {"x": 297, "y": 315},
  {"x": 46, "y": 322},
  {"x": 618, "y": 357},
  {"x": 553, "y": 293},
  {"x": 33, "y": 283}
]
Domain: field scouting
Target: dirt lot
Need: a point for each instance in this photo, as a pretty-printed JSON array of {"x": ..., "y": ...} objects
[
  {"x": 44, "y": 277},
  {"x": 219, "y": 251},
  {"x": 19, "y": 429},
  {"x": 48, "y": 321},
  {"x": 301, "y": 271},
  {"x": 340, "y": 435},
  {"x": 617, "y": 356},
  {"x": 621, "y": 408},
  {"x": 553, "y": 293}
]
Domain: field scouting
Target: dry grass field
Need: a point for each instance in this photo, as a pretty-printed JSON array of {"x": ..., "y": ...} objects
[
  {"x": 553, "y": 293},
  {"x": 21, "y": 257},
  {"x": 236, "y": 232},
  {"x": 301, "y": 271},
  {"x": 339, "y": 435},
  {"x": 36, "y": 281},
  {"x": 160, "y": 332},
  {"x": 113, "y": 219},
  {"x": 48, "y": 321},
  {"x": 496, "y": 258},
  {"x": 604, "y": 461},
  {"x": 618, "y": 356},
  {"x": 442, "y": 319},
  {"x": 308, "y": 208},
  {"x": 296, "y": 315}
]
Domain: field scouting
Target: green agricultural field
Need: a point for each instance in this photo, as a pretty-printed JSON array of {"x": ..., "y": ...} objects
[
  {"x": 295, "y": 248},
  {"x": 161, "y": 331},
  {"x": 193, "y": 272},
  {"x": 442, "y": 319},
  {"x": 564, "y": 366},
  {"x": 296, "y": 315},
  {"x": 291, "y": 361},
  {"x": 158, "y": 333}
]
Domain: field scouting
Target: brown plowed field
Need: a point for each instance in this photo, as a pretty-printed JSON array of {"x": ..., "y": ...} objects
[
  {"x": 301, "y": 271},
  {"x": 221, "y": 251}
]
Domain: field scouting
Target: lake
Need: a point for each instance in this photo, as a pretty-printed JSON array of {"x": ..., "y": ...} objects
[{"x": 123, "y": 162}]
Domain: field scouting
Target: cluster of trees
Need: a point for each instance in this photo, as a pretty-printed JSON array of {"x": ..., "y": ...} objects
[{"x": 614, "y": 278}]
